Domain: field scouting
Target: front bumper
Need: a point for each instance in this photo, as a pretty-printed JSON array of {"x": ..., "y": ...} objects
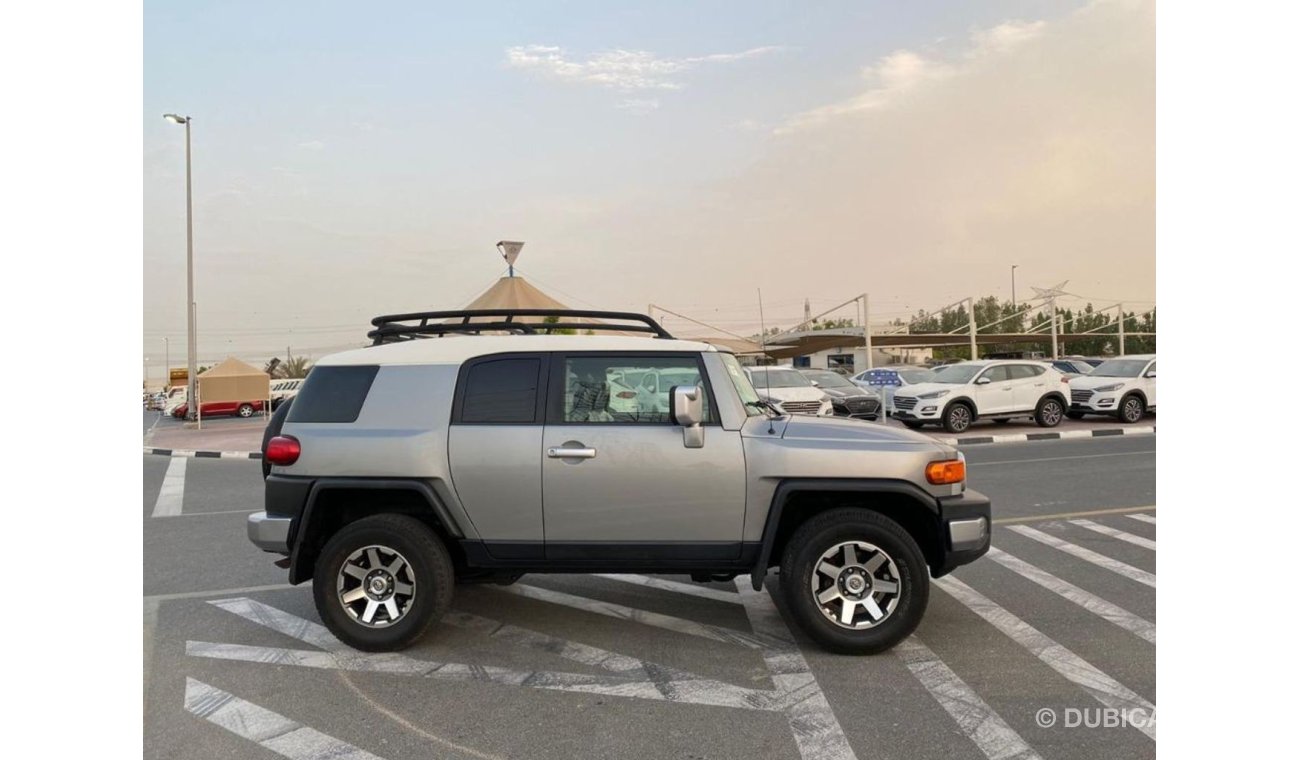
[
  {"x": 967, "y": 527},
  {"x": 270, "y": 534}
]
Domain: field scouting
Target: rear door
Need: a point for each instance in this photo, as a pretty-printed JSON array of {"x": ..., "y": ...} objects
[
  {"x": 998, "y": 395},
  {"x": 494, "y": 445},
  {"x": 1029, "y": 382},
  {"x": 619, "y": 483}
]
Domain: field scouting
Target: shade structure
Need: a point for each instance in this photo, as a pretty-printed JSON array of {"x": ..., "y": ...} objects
[
  {"x": 234, "y": 380},
  {"x": 515, "y": 293}
]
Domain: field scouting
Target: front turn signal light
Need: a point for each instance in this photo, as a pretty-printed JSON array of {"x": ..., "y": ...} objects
[{"x": 946, "y": 472}]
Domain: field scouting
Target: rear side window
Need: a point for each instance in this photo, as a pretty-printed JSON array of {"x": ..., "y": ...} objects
[
  {"x": 332, "y": 394},
  {"x": 1024, "y": 371},
  {"x": 501, "y": 391}
]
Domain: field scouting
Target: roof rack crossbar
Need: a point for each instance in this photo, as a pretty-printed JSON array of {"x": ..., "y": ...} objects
[{"x": 390, "y": 328}]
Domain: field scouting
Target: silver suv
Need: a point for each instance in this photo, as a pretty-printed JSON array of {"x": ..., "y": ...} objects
[{"x": 406, "y": 467}]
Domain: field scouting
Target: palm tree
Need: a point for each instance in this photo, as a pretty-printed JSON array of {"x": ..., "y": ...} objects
[{"x": 295, "y": 367}]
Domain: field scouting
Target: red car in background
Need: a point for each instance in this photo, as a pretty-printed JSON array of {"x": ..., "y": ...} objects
[{"x": 222, "y": 409}]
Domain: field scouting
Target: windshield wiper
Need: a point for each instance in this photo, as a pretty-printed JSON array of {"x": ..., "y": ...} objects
[{"x": 761, "y": 404}]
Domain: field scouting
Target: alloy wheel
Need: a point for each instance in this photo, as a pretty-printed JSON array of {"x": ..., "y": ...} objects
[
  {"x": 1132, "y": 410},
  {"x": 959, "y": 418},
  {"x": 856, "y": 585},
  {"x": 376, "y": 586},
  {"x": 1051, "y": 413}
]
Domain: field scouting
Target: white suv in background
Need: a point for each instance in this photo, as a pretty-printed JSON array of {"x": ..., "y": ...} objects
[
  {"x": 283, "y": 390},
  {"x": 1123, "y": 387},
  {"x": 996, "y": 390},
  {"x": 791, "y": 390}
]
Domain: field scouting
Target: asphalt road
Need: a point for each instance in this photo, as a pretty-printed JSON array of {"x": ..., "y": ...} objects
[{"x": 1060, "y": 618}]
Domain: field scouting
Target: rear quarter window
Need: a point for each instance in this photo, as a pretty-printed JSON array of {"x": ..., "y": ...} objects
[{"x": 333, "y": 394}]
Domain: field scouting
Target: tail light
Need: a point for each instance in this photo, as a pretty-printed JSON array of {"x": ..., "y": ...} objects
[
  {"x": 946, "y": 472},
  {"x": 283, "y": 450}
]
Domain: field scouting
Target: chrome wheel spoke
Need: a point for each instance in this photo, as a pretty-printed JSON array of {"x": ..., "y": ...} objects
[
  {"x": 398, "y": 562},
  {"x": 371, "y": 608},
  {"x": 849, "y": 557},
  {"x": 885, "y": 587},
  {"x": 372, "y": 554},
  {"x": 873, "y": 609},
  {"x": 356, "y": 572},
  {"x": 391, "y": 607},
  {"x": 875, "y": 562},
  {"x": 826, "y": 568},
  {"x": 405, "y": 589},
  {"x": 355, "y": 595},
  {"x": 847, "y": 607},
  {"x": 829, "y": 595}
]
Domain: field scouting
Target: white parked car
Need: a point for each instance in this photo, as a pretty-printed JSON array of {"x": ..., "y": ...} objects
[
  {"x": 283, "y": 390},
  {"x": 1123, "y": 387},
  {"x": 906, "y": 374},
  {"x": 1000, "y": 390},
  {"x": 175, "y": 397},
  {"x": 793, "y": 392}
]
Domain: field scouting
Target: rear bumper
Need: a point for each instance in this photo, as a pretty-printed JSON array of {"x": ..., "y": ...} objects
[
  {"x": 967, "y": 527},
  {"x": 270, "y": 534}
]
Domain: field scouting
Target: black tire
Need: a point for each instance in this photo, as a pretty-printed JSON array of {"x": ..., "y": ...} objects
[
  {"x": 910, "y": 425},
  {"x": 1074, "y": 415},
  {"x": 957, "y": 418},
  {"x": 430, "y": 567},
  {"x": 1049, "y": 412},
  {"x": 804, "y": 551},
  {"x": 245, "y": 410},
  {"x": 1131, "y": 409}
]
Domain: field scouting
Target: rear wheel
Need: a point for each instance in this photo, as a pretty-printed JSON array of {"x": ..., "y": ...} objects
[
  {"x": 957, "y": 418},
  {"x": 1131, "y": 409},
  {"x": 381, "y": 581},
  {"x": 245, "y": 410},
  {"x": 854, "y": 581},
  {"x": 1049, "y": 413}
]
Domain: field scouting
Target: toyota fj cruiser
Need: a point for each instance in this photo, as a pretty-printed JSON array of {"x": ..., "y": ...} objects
[{"x": 497, "y": 449}]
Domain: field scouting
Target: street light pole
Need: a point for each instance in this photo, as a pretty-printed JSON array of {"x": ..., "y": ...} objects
[
  {"x": 1013, "y": 288},
  {"x": 191, "y": 353}
]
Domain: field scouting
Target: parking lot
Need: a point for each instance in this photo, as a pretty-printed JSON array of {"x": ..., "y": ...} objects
[{"x": 1059, "y": 617}]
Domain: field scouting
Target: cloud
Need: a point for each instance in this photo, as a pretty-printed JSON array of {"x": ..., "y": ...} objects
[
  {"x": 625, "y": 70},
  {"x": 312, "y": 145},
  {"x": 903, "y": 71},
  {"x": 638, "y": 105}
]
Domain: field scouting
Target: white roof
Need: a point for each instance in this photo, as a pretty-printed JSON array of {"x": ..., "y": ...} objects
[{"x": 456, "y": 349}]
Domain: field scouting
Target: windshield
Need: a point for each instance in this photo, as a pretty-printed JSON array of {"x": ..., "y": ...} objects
[
  {"x": 828, "y": 379},
  {"x": 744, "y": 388},
  {"x": 764, "y": 377},
  {"x": 1119, "y": 368},
  {"x": 957, "y": 374},
  {"x": 913, "y": 376}
]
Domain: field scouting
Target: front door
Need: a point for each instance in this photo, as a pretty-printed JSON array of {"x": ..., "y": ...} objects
[
  {"x": 618, "y": 481},
  {"x": 998, "y": 395}
]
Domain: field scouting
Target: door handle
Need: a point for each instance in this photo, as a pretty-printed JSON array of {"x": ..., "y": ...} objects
[{"x": 563, "y": 453}]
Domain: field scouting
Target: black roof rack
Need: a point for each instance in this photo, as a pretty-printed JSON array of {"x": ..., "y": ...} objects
[{"x": 392, "y": 328}]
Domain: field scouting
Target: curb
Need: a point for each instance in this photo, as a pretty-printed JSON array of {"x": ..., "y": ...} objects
[
  {"x": 204, "y": 454},
  {"x": 1066, "y": 435}
]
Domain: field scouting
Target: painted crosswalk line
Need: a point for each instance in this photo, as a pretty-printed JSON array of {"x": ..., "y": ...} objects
[
  {"x": 1120, "y": 535},
  {"x": 1087, "y": 555},
  {"x": 172, "y": 494},
  {"x": 1069, "y": 665},
  {"x": 1087, "y": 600},
  {"x": 268, "y": 729},
  {"x": 690, "y": 589},
  {"x": 1149, "y": 519}
]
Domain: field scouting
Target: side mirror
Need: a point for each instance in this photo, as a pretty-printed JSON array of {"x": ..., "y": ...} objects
[
  {"x": 1152, "y": 374},
  {"x": 687, "y": 410},
  {"x": 815, "y": 383},
  {"x": 983, "y": 381}
]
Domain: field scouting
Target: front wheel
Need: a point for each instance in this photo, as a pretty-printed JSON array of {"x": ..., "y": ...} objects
[
  {"x": 854, "y": 581},
  {"x": 1131, "y": 409},
  {"x": 1049, "y": 413},
  {"x": 381, "y": 581},
  {"x": 957, "y": 418},
  {"x": 245, "y": 410}
]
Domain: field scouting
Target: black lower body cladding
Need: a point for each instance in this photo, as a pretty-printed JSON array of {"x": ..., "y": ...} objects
[{"x": 964, "y": 512}]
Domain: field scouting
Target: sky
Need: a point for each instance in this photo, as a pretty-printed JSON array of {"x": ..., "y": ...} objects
[{"x": 354, "y": 160}]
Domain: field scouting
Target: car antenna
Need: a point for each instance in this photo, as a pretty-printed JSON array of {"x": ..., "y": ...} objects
[{"x": 762, "y": 325}]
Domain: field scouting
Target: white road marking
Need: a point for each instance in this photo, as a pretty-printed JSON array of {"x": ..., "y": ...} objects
[
  {"x": 817, "y": 732},
  {"x": 216, "y": 592},
  {"x": 655, "y": 619},
  {"x": 1071, "y": 666},
  {"x": 981, "y": 723},
  {"x": 1061, "y": 459},
  {"x": 1094, "y": 604},
  {"x": 1106, "y": 530},
  {"x": 690, "y": 589},
  {"x": 1066, "y": 515},
  {"x": 1145, "y": 518},
  {"x": 271, "y": 730},
  {"x": 1087, "y": 555},
  {"x": 172, "y": 494}
]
